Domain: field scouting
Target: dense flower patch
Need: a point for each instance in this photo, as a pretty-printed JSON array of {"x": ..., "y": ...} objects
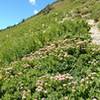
[{"x": 63, "y": 72}]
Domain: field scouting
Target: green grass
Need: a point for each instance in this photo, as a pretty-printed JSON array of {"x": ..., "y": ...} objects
[
  {"x": 81, "y": 66},
  {"x": 19, "y": 40},
  {"x": 47, "y": 57}
]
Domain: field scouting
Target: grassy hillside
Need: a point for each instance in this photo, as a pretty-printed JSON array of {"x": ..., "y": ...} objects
[{"x": 50, "y": 56}]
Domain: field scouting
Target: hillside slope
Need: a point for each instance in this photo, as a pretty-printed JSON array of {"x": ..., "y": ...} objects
[{"x": 51, "y": 56}]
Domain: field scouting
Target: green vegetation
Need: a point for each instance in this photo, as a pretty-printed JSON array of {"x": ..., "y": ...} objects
[{"x": 50, "y": 56}]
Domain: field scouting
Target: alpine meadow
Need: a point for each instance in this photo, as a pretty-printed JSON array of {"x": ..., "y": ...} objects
[{"x": 54, "y": 55}]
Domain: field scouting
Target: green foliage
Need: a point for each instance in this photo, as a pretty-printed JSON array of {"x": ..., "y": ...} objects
[
  {"x": 50, "y": 56},
  {"x": 18, "y": 46},
  {"x": 57, "y": 74}
]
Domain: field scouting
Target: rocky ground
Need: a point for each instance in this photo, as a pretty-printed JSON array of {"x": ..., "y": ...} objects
[{"x": 95, "y": 31}]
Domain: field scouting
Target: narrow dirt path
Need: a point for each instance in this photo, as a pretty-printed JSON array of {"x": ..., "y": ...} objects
[{"x": 95, "y": 31}]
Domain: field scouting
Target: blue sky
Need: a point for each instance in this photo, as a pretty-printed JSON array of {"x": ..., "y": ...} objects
[{"x": 13, "y": 11}]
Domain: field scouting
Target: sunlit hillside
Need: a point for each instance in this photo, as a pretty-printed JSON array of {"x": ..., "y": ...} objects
[{"x": 51, "y": 56}]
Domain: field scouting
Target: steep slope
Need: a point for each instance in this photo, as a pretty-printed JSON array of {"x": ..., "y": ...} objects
[
  {"x": 22, "y": 39},
  {"x": 51, "y": 55}
]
